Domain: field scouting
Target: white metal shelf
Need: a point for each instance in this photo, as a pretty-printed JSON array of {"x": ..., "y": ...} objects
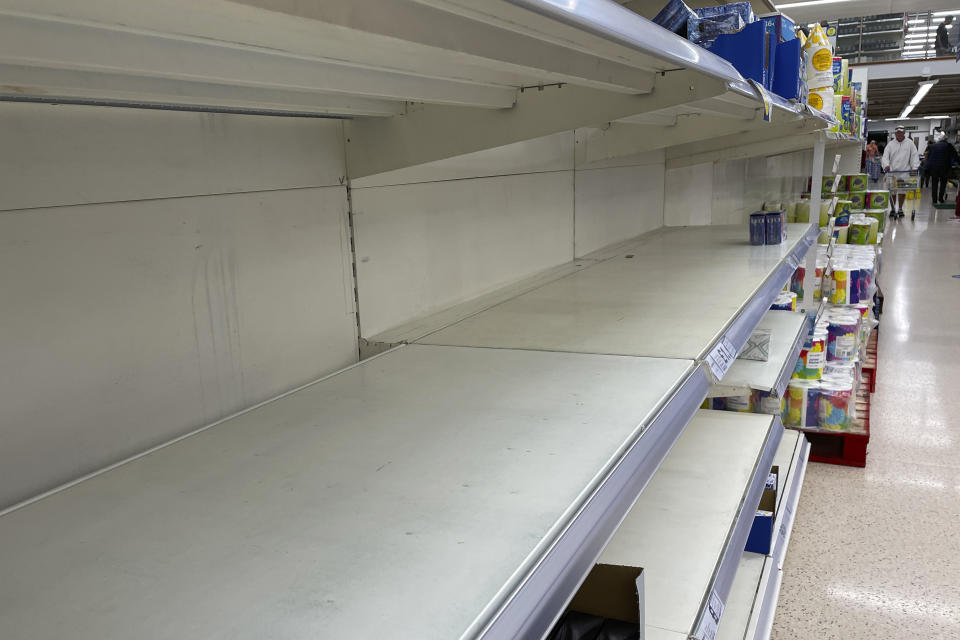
[
  {"x": 674, "y": 293},
  {"x": 753, "y": 598},
  {"x": 688, "y": 528},
  {"x": 368, "y": 60},
  {"x": 788, "y": 331},
  {"x": 435, "y": 492}
]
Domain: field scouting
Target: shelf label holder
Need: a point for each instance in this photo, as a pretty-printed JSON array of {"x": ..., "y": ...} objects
[
  {"x": 710, "y": 622},
  {"x": 722, "y": 356}
]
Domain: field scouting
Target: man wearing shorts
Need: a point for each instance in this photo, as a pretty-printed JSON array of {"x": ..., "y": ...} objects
[{"x": 900, "y": 156}]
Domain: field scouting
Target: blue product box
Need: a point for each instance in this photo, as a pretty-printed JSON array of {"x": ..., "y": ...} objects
[
  {"x": 781, "y": 25},
  {"x": 758, "y": 228},
  {"x": 788, "y": 71},
  {"x": 776, "y": 227},
  {"x": 674, "y": 16},
  {"x": 752, "y": 52},
  {"x": 760, "y": 539}
]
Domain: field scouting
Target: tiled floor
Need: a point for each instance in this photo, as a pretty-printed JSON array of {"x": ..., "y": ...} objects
[{"x": 875, "y": 552}]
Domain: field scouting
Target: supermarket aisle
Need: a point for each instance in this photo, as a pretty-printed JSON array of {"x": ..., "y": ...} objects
[{"x": 875, "y": 551}]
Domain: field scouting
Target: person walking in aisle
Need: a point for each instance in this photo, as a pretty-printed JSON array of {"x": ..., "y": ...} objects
[
  {"x": 942, "y": 43},
  {"x": 940, "y": 158},
  {"x": 900, "y": 156},
  {"x": 873, "y": 161}
]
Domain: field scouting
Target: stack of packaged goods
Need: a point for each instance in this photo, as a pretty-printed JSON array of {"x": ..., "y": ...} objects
[
  {"x": 848, "y": 104},
  {"x": 826, "y": 375},
  {"x": 858, "y": 217},
  {"x": 762, "y": 48},
  {"x": 822, "y": 392},
  {"x": 818, "y": 58}
]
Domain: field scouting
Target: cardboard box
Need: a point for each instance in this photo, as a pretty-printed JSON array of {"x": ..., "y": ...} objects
[
  {"x": 760, "y": 539},
  {"x": 788, "y": 72},
  {"x": 752, "y": 52},
  {"x": 612, "y": 592}
]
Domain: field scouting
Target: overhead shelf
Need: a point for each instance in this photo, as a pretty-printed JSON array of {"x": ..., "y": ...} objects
[
  {"x": 468, "y": 66},
  {"x": 788, "y": 331},
  {"x": 433, "y": 492},
  {"x": 689, "y": 527},
  {"x": 679, "y": 292},
  {"x": 753, "y": 598}
]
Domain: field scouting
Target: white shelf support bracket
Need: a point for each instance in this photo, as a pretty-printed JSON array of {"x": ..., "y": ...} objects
[{"x": 819, "y": 148}]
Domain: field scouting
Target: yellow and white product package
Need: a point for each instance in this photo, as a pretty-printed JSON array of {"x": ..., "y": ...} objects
[
  {"x": 819, "y": 60},
  {"x": 821, "y": 98}
]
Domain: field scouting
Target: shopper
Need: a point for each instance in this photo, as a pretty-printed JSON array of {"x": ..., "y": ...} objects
[
  {"x": 940, "y": 158},
  {"x": 924, "y": 173},
  {"x": 873, "y": 161},
  {"x": 942, "y": 43},
  {"x": 899, "y": 157}
]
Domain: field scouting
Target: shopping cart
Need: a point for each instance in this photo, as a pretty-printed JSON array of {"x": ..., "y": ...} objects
[{"x": 908, "y": 183}]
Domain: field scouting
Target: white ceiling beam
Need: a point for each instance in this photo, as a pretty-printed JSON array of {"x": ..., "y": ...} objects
[
  {"x": 64, "y": 85},
  {"x": 431, "y": 133},
  {"x": 58, "y": 44}
]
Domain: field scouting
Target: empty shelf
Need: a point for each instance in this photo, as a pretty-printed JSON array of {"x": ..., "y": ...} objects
[
  {"x": 753, "y": 598},
  {"x": 788, "y": 331},
  {"x": 689, "y": 527},
  {"x": 431, "y": 492},
  {"x": 675, "y": 293}
]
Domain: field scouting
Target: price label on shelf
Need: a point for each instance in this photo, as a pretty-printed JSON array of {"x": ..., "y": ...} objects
[
  {"x": 710, "y": 622},
  {"x": 836, "y": 183},
  {"x": 721, "y": 358}
]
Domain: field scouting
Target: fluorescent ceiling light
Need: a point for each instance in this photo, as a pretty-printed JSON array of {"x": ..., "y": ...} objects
[
  {"x": 940, "y": 14},
  {"x": 906, "y": 112},
  {"x": 914, "y": 46},
  {"x": 791, "y": 5},
  {"x": 922, "y": 92},
  {"x": 935, "y": 117}
]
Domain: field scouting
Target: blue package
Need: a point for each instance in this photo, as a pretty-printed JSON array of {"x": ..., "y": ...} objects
[
  {"x": 752, "y": 52},
  {"x": 774, "y": 227},
  {"x": 788, "y": 70},
  {"x": 758, "y": 228},
  {"x": 704, "y": 31},
  {"x": 743, "y": 9},
  {"x": 674, "y": 16},
  {"x": 781, "y": 25}
]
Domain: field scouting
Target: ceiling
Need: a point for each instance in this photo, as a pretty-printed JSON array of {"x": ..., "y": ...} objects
[
  {"x": 817, "y": 11},
  {"x": 887, "y": 97}
]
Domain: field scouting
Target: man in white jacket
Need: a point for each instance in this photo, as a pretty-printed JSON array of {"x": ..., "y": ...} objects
[{"x": 899, "y": 156}]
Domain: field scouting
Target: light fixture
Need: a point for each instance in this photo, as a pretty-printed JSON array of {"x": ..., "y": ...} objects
[
  {"x": 939, "y": 14},
  {"x": 935, "y": 117},
  {"x": 792, "y": 5},
  {"x": 922, "y": 91},
  {"x": 906, "y": 112}
]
